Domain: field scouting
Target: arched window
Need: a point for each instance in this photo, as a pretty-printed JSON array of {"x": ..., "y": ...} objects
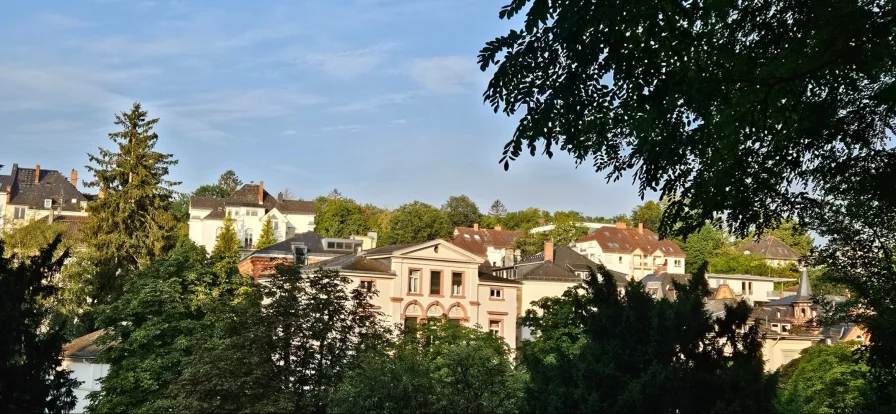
[{"x": 247, "y": 241}]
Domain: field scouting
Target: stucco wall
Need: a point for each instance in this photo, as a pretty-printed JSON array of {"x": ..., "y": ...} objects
[
  {"x": 777, "y": 352},
  {"x": 89, "y": 374}
]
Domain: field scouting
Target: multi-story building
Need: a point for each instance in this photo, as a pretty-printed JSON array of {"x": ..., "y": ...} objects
[
  {"x": 432, "y": 279},
  {"x": 305, "y": 249},
  {"x": 494, "y": 246},
  {"x": 28, "y": 194},
  {"x": 589, "y": 225},
  {"x": 774, "y": 251},
  {"x": 636, "y": 252},
  {"x": 250, "y": 206},
  {"x": 754, "y": 289}
]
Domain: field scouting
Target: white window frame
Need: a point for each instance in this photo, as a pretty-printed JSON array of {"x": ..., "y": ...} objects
[{"x": 414, "y": 280}]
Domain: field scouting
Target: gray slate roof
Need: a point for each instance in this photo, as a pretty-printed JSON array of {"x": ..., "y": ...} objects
[
  {"x": 804, "y": 292},
  {"x": 51, "y": 185},
  {"x": 312, "y": 241},
  {"x": 247, "y": 195},
  {"x": 566, "y": 262},
  {"x": 771, "y": 248},
  {"x": 355, "y": 262}
]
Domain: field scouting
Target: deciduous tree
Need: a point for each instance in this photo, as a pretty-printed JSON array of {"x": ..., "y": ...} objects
[
  {"x": 826, "y": 380},
  {"x": 33, "y": 380},
  {"x": 339, "y": 217},
  {"x": 461, "y": 211},
  {"x": 522, "y": 220},
  {"x": 416, "y": 222},
  {"x": 212, "y": 190},
  {"x": 650, "y": 214},
  {"x": 229, "y": 181}
]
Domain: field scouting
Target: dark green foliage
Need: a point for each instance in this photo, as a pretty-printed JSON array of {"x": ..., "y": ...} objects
[
  {"x": 461, "y": 211},
  {"x": 435, "y": 367},
  {"x": 211, "y": 190},
  {"x": 318, "y": 328},
  {"x": 792, "y": 234},
  {"x": 650, "y": 214},
  {"x": 131, "y": 224},
  {"x": 229, "y": 181},
  {"x": 825, "y": 380},
  {"x": 700, "y": 247},
  {"x": 728, "y": 261},
  {"x": 497, "y": 209},
  {"x": 415, "y": 223},
  {"x": 266, "y": 238},
  {"x": 31, "y": 347},
  {"x": 522, "y": 220},
  {"x": 337, "y": 216},
  {"x": 735, "y": 107},
  {"x": 599, "y": 351},
  {"x": 30, "y": 238}
]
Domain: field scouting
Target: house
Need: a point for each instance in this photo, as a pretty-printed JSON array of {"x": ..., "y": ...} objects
[
  {"x": 754, "y": 289},
  {"x": 305, "y": 248},
  {"x": 591, "y": 227},
  {"x": 250, "y": 206},
  {"x": 28, "y": 194},
  {"x": 432, "y": 279},
  {"x": 661, "y": 285},
  {"x": 548, "y": 273},
  {"x": 775, "y": 252},
  {"x": 494, "y": 246},
  {"x": 635, "y": 252},
  {"x": 80, "y": 356}
]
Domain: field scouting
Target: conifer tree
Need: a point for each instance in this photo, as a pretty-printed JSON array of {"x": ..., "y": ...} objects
[
  {"x": 228, "y": 244},
  {"x": 266, "y": 238},
  {"x": 130, "y": 223}
]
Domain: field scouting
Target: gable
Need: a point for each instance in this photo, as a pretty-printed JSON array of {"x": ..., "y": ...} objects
[{"x": 439, "y": 250}]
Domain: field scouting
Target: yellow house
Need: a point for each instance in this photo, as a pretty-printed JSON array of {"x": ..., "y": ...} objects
[{"x": 432, "y": 279}]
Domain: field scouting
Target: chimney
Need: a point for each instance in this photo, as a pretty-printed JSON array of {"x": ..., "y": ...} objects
[
  {"x": 476, "y": 226},
  {"x": 280, "y": 196},
  {"x": 261, "y": 192},
  {"x": 37, "y": 174},
  {"x": 74, "y": 178},
  {"x": 548, "y": 251},
  {"x": 620, "y": 225},
  {"x": 8, "y": 194},
  {"x": 498, "y": 228},
  {"x": 641, "y": 228}
]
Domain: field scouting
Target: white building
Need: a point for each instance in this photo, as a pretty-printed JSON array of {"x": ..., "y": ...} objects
[
  {"x": 591, "y": 227},
  {"x": 79, "y": 356},
  {"x": 250, "y": 207},
  {"x": 494, "y": 246},
  {"x": 754, "y": 289},
  {"x": 637, "y": 252}
]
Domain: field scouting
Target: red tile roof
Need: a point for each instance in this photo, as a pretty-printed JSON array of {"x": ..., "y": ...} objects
[
  {"x": 477, "y": 241},
  {"x": 627, "y": 240}
]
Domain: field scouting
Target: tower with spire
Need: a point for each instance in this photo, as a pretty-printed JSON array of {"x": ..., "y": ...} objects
[{"x": 802, "y": 303}]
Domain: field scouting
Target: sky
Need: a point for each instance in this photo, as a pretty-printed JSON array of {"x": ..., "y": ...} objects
[{"x": 381, "y": 99}]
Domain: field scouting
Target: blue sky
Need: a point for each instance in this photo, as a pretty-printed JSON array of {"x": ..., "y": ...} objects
[{"x": 378, "y": 98}]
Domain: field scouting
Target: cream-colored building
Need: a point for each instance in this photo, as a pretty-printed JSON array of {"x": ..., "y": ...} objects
[
  {"x": 80, "y": 356},
  {"x": 250, "y": 206},
  {"x": 28, "y": 194},
  {"x": 637, "y": 252},
  {"x": 494, "y": 246},
  {"x": 432, "y": 279},
  {"x": 754, "y": 289}
]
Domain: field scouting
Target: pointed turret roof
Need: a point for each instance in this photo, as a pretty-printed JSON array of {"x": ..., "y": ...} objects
[{"x": 804, "y": 292}]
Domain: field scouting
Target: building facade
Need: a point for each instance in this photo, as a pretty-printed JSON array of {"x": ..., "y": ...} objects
[
  {"x": 250, "y": 207},
  {"x": 431, "y": 280},
  {"x": 80, "y": 356},
  {"x": 29, "y": 194},
  {"x": 637, "y": 252},
  {"x": 305, "y": 248},
  {"x": 774, "y": 251},
  {"x": 756, "y": 290},
  {"x": 494, "y": 246}
]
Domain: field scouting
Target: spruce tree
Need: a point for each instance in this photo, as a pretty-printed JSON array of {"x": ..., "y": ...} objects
[
  {"x": 228, "y": 244},
  {"x": 266, "y": 238},
  {"x": 130, "y": 224},
  {"x": 497, "y": 209},
  {"x": 31, "y": 346}
]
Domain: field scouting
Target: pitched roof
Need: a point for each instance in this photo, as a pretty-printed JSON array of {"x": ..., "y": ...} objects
[
  {"x": 313, "y": 243},
  {"x": 477, "y": 241},
  {"x": 771, "y": 248},
  {"x": 74, "y": 225},
  {"x": 487, "y": 277},
  {"x": 566, "y": 263},
  {"x": 627, "y": 240},
  {"x": 387, "y": 249},
  {"x": 355, "y": 262},
  {"x": 5, "y": 181},
  {"x": 247, "y": 195},
  {"x": 804, "y": 291},
  {"x": 50, "y": 184},
  {"x": 84, "y": 347}
]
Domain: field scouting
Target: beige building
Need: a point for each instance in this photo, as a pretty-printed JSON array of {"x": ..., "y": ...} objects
[
  {"x": 80, "y": 356},
  {"x": 28, "y": 194},
  {"x": 636, "y": 252},
  {"x": 250, "y": 206},
  {"x": 432, "y": 279},
  {"x": 774, "y": 251}
]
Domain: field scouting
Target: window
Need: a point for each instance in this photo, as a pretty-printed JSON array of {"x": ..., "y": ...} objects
[
  {"x": 743, "y": 287},
  {"x": 300, "y": 255},
  {"x": 19, "y": 213},
  {"x": 218, "y": 232},
  {"x": 677, "y": 262},
  {"x": 248, "y": 242},
  {"x": 74, "y": 201},
  {"x": 494, "y": 327},
  {"x": 414, "y": 281},
  {"x": 276, "y": 225},
  {"x": 367, "y": 285},
  {"x": 637, "y": 259},
  {"x": 457, "y": 284},
  {"x": 435, "y": 282},
  {"x": 496, "y": 294},
  {"x": 253, "y": 213},
  {"x": 48, "y": 203},
  {"x": 620, "y": 259},
  {"x": 657, "y": 260},
  {"x": 410, "y": 322}
]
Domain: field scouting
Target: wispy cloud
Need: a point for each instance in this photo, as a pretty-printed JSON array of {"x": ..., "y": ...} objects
[
  {"x": 375, "y": 102},
  {"x": 445, "y": 74},
  {"x": 57, "y": 21},
  {"x": 290, "y": 132},
  {"x": 398, "y": 121},
  {"x": 349, "y": 128},
  {"x": 347, "y": 64},
  {"x": 250, "y": 104}
]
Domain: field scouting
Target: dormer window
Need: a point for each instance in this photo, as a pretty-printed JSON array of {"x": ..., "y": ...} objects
[
  {"x": 300, "y": 254},
  {"x": 74, "y": 201},
  {"x": 467, "y": 236},
  {"x": 48, "y": 202},
  {"x": 476, "y": 237}
]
